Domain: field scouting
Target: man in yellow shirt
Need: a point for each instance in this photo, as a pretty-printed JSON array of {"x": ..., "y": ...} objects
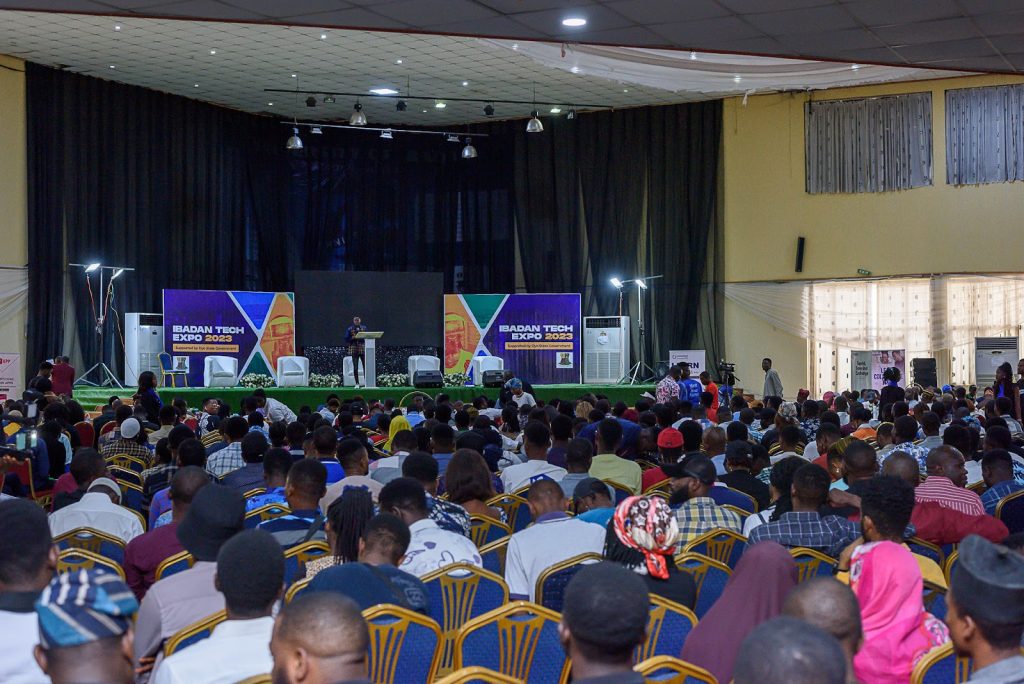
[{"x": 607, "y": 465}]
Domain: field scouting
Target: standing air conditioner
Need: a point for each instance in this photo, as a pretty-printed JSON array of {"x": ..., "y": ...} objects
[
  {"x": 989, "y": 354},
  {"x": 605, "y": 349},
  {"x": 143, "y": 342}
]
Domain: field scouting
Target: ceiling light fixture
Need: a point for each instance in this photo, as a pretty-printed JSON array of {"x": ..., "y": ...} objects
[
  {"x": 213, "y": 52},
  {"x": 855, "y": 66},
  {"x": 270, "y": 104},
  {"x": 311, "y": 101},
  {"x": 465, "y": 84},
  {"x": 693, "y": 55},
  {"x": 398, "y": 61},
  {"x": 383, "y": 91},
  {"x": 329, "y": 99},
  {"x": 117, "y": 27},
  {"x": 575, "y": 70},
  {"x": 556, "y": 110},
  {"x": 534, "y": 125},
  {"x": 439, "y": 105},
  {"x": 488, "y": 110},
  {"x": 387, "y": 134},
  {"x": 571, "y": 115},
  {"x": 323, "y": 36},
  {"x": 195, "y": 85},
  {"x": 469, "y": 152},
  {"x": 316, "y": 130},
  {"x": 357, "y": 118},
  {"x": 737, "y": 78},
  {"x": 294, "y": 142},
  {"x": 574, "y": 22},
  {"x": 451, "y": 137},
  {"x": 295, "y": 75},
  {"x": 113, "y": 66}
]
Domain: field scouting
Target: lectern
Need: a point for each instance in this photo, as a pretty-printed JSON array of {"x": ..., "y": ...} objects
[{"x": 370, "y": 352}]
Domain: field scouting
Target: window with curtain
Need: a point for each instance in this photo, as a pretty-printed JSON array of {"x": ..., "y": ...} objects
[
  {"x": 875, "y": 144},
  {"x": 985, "y": 135}
]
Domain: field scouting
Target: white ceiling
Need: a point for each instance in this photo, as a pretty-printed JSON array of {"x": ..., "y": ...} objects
[
  {"x": 969, "y": 35},
  {"x": 175, "y": 56}
]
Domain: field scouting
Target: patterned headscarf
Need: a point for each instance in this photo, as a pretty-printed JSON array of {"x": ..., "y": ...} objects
[{"x": 648, "y": 525}]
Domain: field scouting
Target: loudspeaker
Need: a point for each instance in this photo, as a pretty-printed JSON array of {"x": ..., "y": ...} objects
[
  {"x": 427, "y": 378},
  {"x": 493, "y": 378},
  {"x": 799, "y": 254},
  {"x": 925, "y": 372}
]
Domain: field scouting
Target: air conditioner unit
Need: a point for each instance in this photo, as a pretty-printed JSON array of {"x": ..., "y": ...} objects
[
  {"x": 143, "y": 342},
  {"x": 989, "y": 354},
  {"x": 605, "y": 349}
]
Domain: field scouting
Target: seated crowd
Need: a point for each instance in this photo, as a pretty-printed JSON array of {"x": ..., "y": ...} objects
[{"x": 826, "y": 541}]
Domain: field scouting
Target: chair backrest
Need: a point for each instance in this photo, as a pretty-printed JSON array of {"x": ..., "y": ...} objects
[
  {"x": 669, "y": 669},
  {"x": 211, "y": 438},
  {"x": 89, "y": 539},
  {"x": 517, "y": 510},
  {"x": 109, "y": 426},
  {"x": 23, "y": 469},
  {"x": 661, "y": 486},
  {"x": 124, "y": 462},
  {"x": 72, "y": 560},
  {"x": 263, "y": 513},
  {"x": 165, "y": 362},
  {"x": 934, "y": 598},
  {"x": 183, "y": 560},
  {"x": 493, "y": 556},
  {"x": 811, "y": 563},
  {"x": 131, "y": 495},
  {"x": 622, "y": 492},
  {"x": 941, "y": 666},
  {"x": 750, "y": 503},
  {"x": 254, "y": 492},
  {"x": 125, "y": 474},
  {"x": 1010, "y": 510},
  {"x": 724, "y": 546},
  {"x": 709, "y": 575},
  {"x": 457, "y": 594},
  {"x": 668, "y": 625},
  {"x": 947, "y": 567},
  {"x": 298, "y": 586},
  {"x": 403, "y": 645},
  {"x": 194, "y": 633},
  {"x": 519, "y": 639},
  {"x": 477, "y": 675},
  {"x": 86, "y": 433},
  {"x": 296, "y": 557},
  {"x": 926, "y": 549},
  {"x": 484, "y": 530},
  {"x": 552, "y": 581},
  {"x": 738, "y": 511}
]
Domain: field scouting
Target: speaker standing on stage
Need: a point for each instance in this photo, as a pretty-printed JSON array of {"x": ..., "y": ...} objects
[{"x": 356, "y": 348}]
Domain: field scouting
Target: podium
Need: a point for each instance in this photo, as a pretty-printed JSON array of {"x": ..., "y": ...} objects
[{"x": 370, "y": 356}]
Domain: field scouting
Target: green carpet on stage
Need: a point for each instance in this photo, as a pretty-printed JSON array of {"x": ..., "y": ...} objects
[{"x": 295, "y": 397}]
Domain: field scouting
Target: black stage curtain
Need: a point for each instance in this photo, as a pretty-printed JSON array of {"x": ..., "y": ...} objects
[{"x": 197, "y": 196}]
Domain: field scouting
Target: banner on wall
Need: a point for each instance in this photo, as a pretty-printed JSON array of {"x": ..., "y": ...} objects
[
  {"x": 537, "y": 335},
  {"x": 868, "y": 367},
  {"x": 10, "y": 376},
  {"x": 254, "y": 327},
  {"x": 696, "y": 359}
]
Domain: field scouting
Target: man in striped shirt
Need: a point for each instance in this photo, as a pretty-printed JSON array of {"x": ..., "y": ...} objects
[{"x": 947, "y": 481}]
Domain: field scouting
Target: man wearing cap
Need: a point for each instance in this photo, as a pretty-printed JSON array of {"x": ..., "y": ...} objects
[
  {"x": 131, "y": 441},
  {"x": 696, "y": 511},
  {"x": 100, "y": 510},
  {"x": 520, "y": 397},
  {"x": 175, "y": 602},
  {"x": 986, "y": 610},
  {"x": 593, "y": 502},
  {"x": 670, "y": 450},
  {"x": 85, "y": 629}
]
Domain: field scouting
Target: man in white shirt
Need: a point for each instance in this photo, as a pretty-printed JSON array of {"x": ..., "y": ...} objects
[
  {"x": 274, "y": 410},
  {"x": 520, "y": 397},
  {"x": 389, "y": 468},
  {"x": 100, "y": 510},
  {"x": 27, "y": 561},
  {"x": 250, "y": 575},
  {"x": 536, "y": 441},
  {"x": 430, "y": 548},
  {"x": 553, "y": 537},
  {"x": 356, "y": 464}
]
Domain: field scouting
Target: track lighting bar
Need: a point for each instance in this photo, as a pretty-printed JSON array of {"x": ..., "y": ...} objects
[
  {"x": 450, "y": 135},
  {"x": 441, "y": 99}
]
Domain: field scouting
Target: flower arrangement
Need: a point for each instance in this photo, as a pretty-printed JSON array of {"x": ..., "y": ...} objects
[
  {"x": 455, "y": 379},
  {"x": 324, "y": 380},
  {"x": 256, "y": 380},
  {"x": 393, "y": 380}
]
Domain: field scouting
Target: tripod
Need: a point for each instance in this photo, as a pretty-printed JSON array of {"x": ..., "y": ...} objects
[
  {"x": 105, "y": 376},
  {"x": 640, "y": 371}
]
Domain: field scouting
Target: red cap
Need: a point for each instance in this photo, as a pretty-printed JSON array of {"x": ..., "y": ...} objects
[{"x": 670, "y": 438}]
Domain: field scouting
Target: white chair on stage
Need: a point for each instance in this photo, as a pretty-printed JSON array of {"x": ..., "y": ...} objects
[
  {"x": 485, "y": 363},
  {"x": 348, "y": 378},
  {"x": 220, "y": 371},
  {"x": 292, "y": 371},
  {"x": 419, "y": 363}
]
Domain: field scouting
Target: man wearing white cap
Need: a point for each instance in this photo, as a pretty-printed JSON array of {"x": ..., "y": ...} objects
[
  {"x": 132, "y": 441},
  {"x": 100, "y": 510}
]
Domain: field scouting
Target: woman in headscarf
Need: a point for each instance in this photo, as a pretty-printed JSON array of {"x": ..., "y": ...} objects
[
  {"x": 898, "y": 631},
  {"x": 642, "y": 536},
  {"x": 398, "y": 423},
  {"x": 754, "y": 594}
]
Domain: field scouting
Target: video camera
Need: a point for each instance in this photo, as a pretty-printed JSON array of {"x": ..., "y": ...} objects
[{"x": 727, "y": 373}]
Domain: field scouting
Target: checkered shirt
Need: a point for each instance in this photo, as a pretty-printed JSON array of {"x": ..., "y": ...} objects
[
  {"x": 225, "y": 460},
  {"x": 830, "y": 534},
  {"x": 126, "y": 446},
  {"x": 990, "y": 499},
  {"x": 700, "y": 515}
]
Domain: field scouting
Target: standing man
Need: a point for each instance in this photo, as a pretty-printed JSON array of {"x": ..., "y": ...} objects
[
  {"x": 711, "y": 388},
  {"x": 772, "y": 381},
  {"x": 356, "y": 348},
  {"x": 62, "y": 376}
]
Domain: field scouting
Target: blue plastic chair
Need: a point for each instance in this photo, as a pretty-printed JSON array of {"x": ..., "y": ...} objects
[
  {"x": 1010, "y": 510},
  {"x": 934, "y": 598},
  {"x": 927, "y": 549},
  {"x": 457, "y": 594},
  {"x": 811, "y": 563},
  {"x": 668, "y": 625},
  {"x": 484, "y": 530},
  {"x": 493, "y": 556},
  {"x": 552, "y": 581},
  {"x": 194, "y": 633},
  {"x": 403, "y": 645},
  {"x": 92, "y": 540},
  {"x": 517, "y": 510},
  {"x": 724, "y": 546},
  {"x": 296, "y": 557},
  {"x": 519, "y": 639},
  {"x": 941, "y": 666},
  {"x": 172, "y": 565},
  {"x": 167, "y": 371},
  {"x": 709, "y": 575}
]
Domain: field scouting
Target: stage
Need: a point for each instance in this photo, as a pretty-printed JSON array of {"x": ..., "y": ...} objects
[{"x": 296, "y": 397}]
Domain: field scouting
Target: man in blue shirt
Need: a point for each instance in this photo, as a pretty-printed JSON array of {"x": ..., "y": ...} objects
[
  {"x": 325, "y": 443},
  {"x": 276, "y": 464},
  {"x": 997, "y": 471},
  {"x": 592, "y": 501},
  {"x": 306, "y": 486},
  {"x": 375, "y": 579},
  {"x": 689, "y": 388},
  {"x": 442, "y": 444}
]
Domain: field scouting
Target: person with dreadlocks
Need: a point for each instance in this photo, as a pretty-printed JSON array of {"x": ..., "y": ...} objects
[
  {"x": 642, "y": 536},
  {"x": 346, "y": 519}
]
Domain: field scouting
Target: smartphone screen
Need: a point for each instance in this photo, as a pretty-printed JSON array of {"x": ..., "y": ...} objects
[
  {"x": 33, "y": 439},
  {"x": 19, "y": 441}
]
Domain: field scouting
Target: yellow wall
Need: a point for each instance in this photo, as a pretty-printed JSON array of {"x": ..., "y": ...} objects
[
  {"x": 925, "y": 230},
  {"x": 13, "y": 191}
]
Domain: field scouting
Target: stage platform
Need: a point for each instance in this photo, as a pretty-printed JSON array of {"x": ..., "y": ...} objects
[{"x": 296, "y": 397}]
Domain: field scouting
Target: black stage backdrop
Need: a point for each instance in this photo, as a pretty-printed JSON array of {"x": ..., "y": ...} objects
[{"x": 197, "y": 196}]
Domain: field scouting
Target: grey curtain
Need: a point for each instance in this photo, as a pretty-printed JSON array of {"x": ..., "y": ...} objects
[
  {"x": 873, "y": 144},
  {"x": 985, "y": 135}
]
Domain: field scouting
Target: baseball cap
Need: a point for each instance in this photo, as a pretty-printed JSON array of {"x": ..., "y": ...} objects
[
  {"x": 696, "y": 466},
  {"x": 670, "y": 438},
  {"x": 130, "y": 428},
  {"x": 585, "y": 488},
  {"x": 84, "y": 606}
]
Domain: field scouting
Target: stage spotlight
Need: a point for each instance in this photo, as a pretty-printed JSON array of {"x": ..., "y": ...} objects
[
  {"x": 91, "y": 267},
  {"x": 357, "y": 118},
  {"x": 315, "y": 130},
  {"x": 534, "y": 125},
  {"x": 329, "y": 99},
  {"x": 616, "y": 282},
  {"x": 401, "y": 105},
  {"x": 488, "y": 110},
  {"x": 469, "y": 152},
  {"x": 641, "y": 284},
  {"x": 571, "y": 115},
  {"x": 117, "y": 273},
  {"x": 311, "y": 101},
  {"x": 451, "y": 137},
  {"x": 386, "y": 134},
  {"x": 294, "y": 142}
]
